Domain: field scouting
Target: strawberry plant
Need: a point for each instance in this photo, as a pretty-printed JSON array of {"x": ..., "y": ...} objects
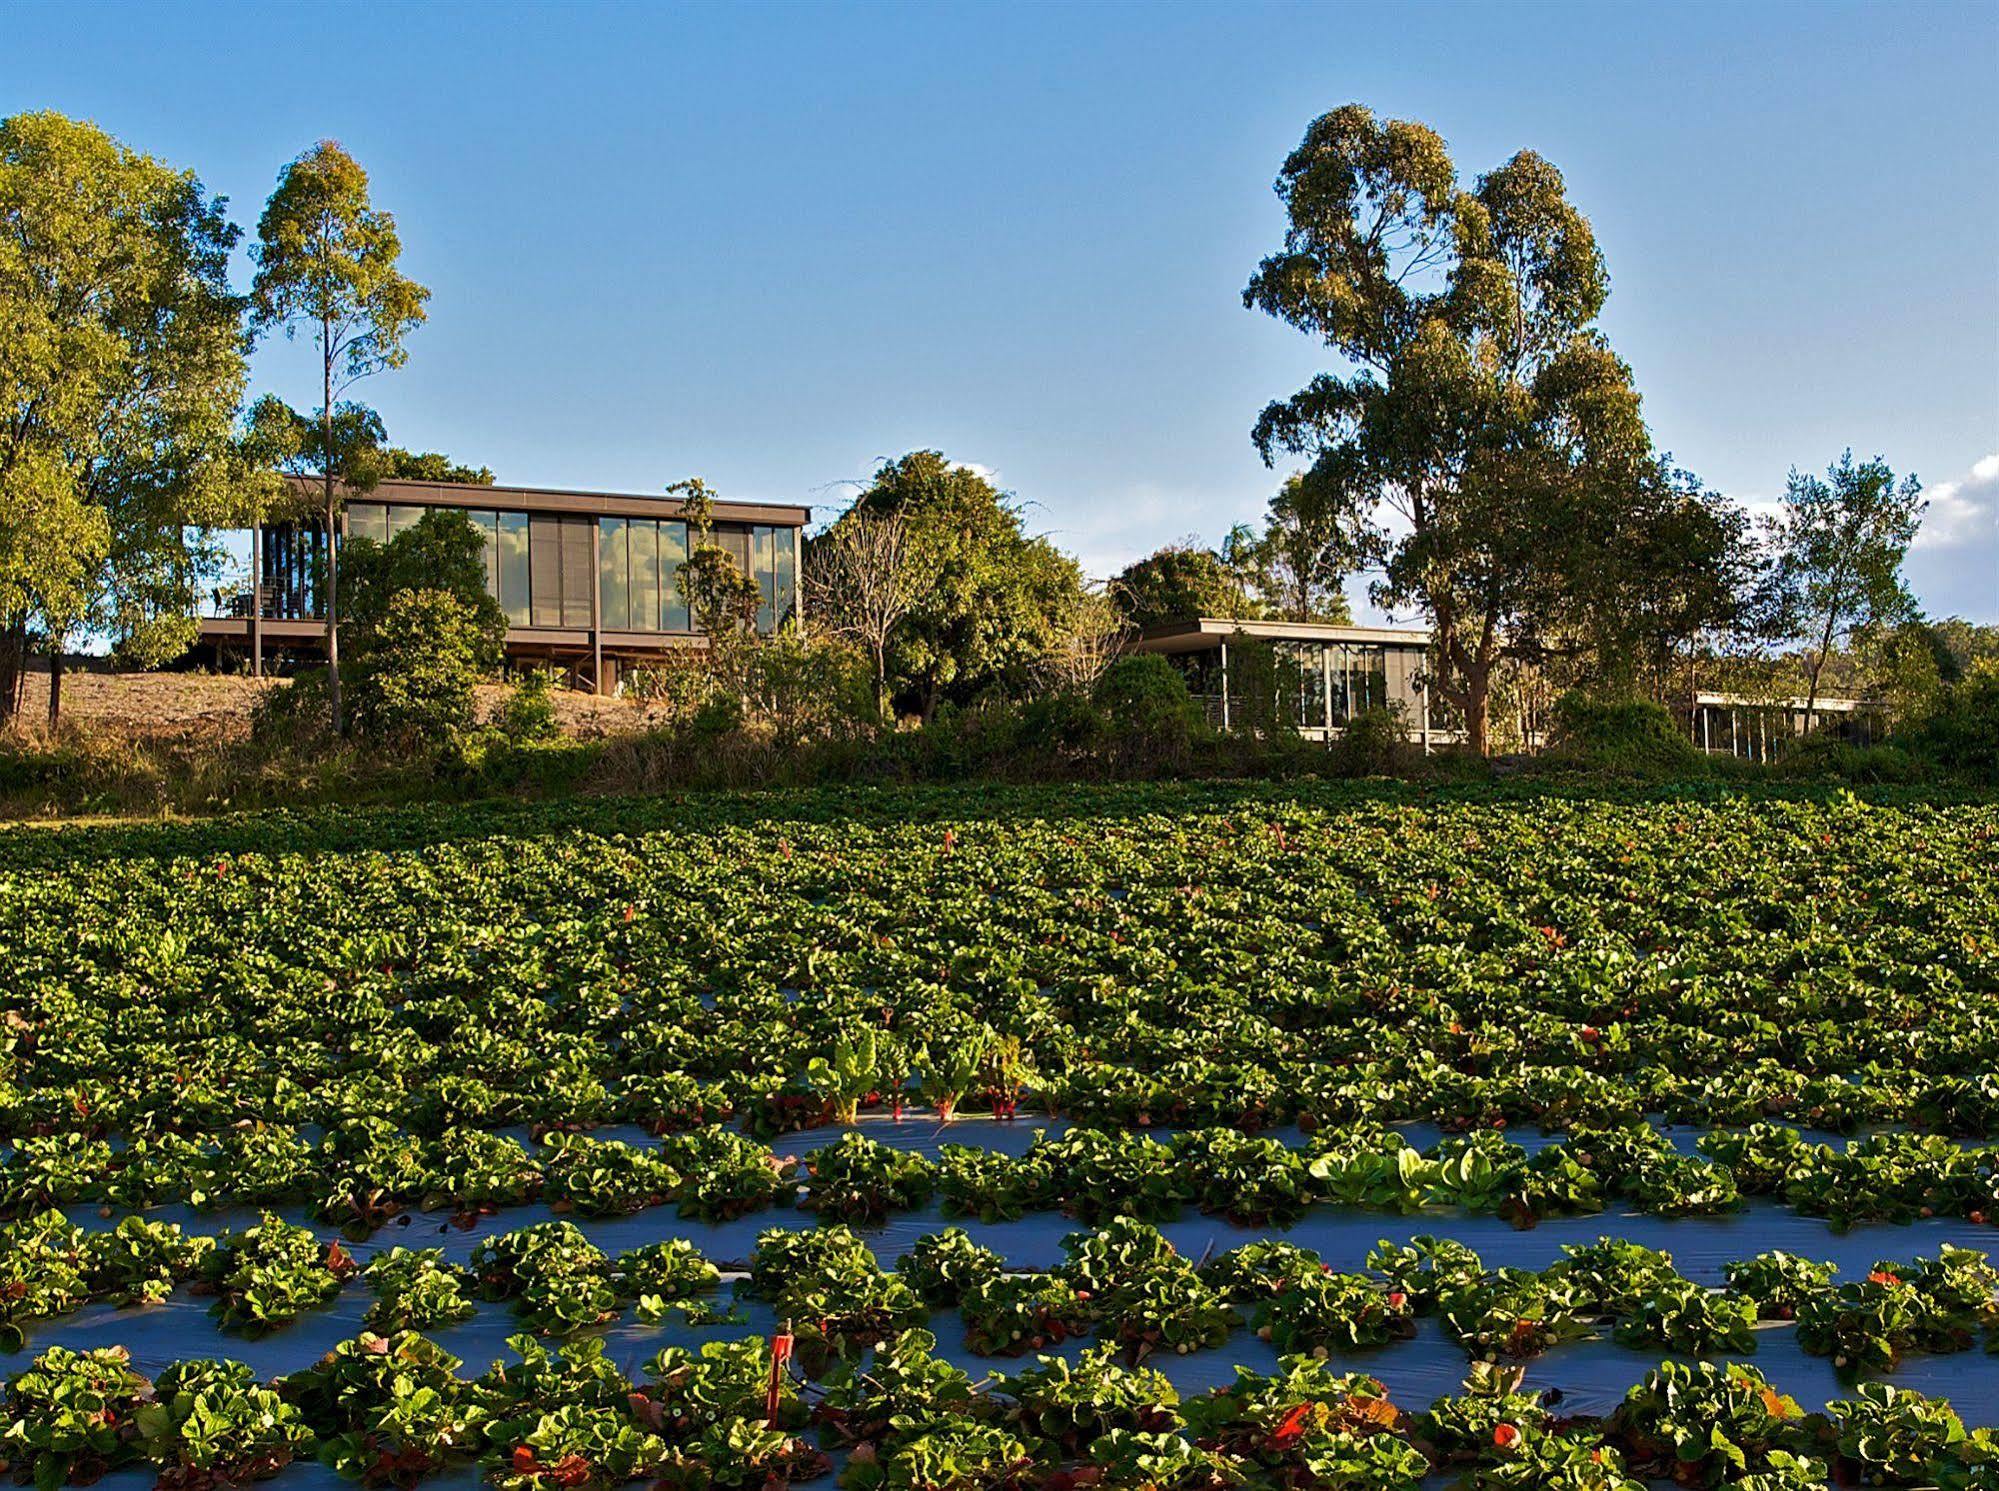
[
  {"x": 575, "y": 1447},
  {"x": 415, "y": 1289},
  {"x": 1778, "y": 1282},
  {"x": 72, "y": 1417},
  {"x": 270, "y": 1274},
  {"x": 389, "y": 1410},
  {"x": 1327, "y": 1312},
  {"x": 945, "y": 1454},
  {"x": 559, "y": 1281},
  {"x": 1255, "y": 1271},
  {"x": 1426, "y": 1269},
  {"x": 992, "y": 1186},
  {"x": 1134, "y": 1460},
  {"x": 1708, "y": 1424},
  {"x": 1891, "y": 1436},
  {"x": 1510, "y": 1314},
  {"x": 1061, "y": 1407},
  {"x": 858, "y": 1179},
  {"x": 941, "y": 1266},
  {"x": 1012, "y": 1314},
  {"x": 1307, "y": 1426},
  {"x": 211, "y": 1423},
  {"x": 903, "y": 1380},
  {"x": 723, "y": 1175},
  {"x": 603, "y": 1178},
  {"x": 1681, "y": 1316}
]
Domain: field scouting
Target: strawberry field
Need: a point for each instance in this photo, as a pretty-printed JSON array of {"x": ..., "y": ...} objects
[{"x": 1152, "y": 1137}]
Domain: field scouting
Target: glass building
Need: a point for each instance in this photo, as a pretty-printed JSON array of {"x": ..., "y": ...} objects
[{"x": 590, "y": 581}]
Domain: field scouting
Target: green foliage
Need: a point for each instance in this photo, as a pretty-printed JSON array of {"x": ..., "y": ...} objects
[
  {"x": 528, "y": 712},
  {"x": 1961, "y": 729},
  {"x": 415, "y": 673},
  {"x": 991, "y": 601},
  {"x": 327, "y": 261},
  {"x": 397, "y": 464},
  {"x": 1180, "y": 583},
  {"x": 1485, "y": 406},
  {"x": 1839, "y": 545},
  {"x": 1628, "y": 736},
  {"x": 72, "y": 1416},
  {"x": 1145, "y": 699},
  {"x": 124, "y": 367},
  {"x": 212, "y": 1422},
  {"x": 441, "y": 551},
  {"x": 1372, "y": 743},
  {"x": 268, "y": 1275}
]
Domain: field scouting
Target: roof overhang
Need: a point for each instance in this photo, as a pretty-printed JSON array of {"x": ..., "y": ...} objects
[
  {"x": 561, "y": 500},
  {"x": 1754, "y": 701},
  {"x": 1206, "y": 633}
]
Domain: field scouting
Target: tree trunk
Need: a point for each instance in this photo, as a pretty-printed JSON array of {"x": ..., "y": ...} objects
[
  {"x": 331, "y": 599},
  {"x": 1478, "y": 713},
  {"x": 55, "y": 686},
  {"x": 1818, "y": 667},
  {"x": 13, "y": 660}
]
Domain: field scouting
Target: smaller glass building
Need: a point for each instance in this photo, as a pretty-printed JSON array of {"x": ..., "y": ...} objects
[
  {"x": 590, "y": 581},
  {"x": 1307, "y": 676}
]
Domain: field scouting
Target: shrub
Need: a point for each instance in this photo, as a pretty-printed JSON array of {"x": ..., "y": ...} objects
[
  {"x": 1147, "y": 703},
  {"x": 1628, "y": 735},
  {"x": 1961, "y": 731},
  {"x": 415, "y": 669},
  {"x": 528, "y": 712},
  {"x": 1372, "y": 744}
]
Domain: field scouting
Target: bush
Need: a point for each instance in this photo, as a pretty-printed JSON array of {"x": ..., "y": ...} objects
[
  {"x": 415, "y": 669},
  {"x": 1623, "y": 735},
  {"x": 1827, "y": 756},
  {"x": 529, "y": 711},
  {"x": 1146, "y": 701},
  {"x": 1372, "y": 744},
  {"x": 1961, "y": 730},
  {"x": 294, "y": 715}
]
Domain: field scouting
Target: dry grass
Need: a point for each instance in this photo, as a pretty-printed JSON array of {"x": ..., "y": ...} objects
[{"x": 186, "y": 707}]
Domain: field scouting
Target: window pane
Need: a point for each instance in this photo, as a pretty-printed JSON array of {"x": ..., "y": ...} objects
[
  {"x": 763, "y": 570},
  {"x": 578, "y": 570},
  {"x": 368, "y": 520},
  {"x": 402, "y": 517},
  {"x": 614, "y": 574},
  {"x": 487, "y": 524},
  {"x": 643, "y": 536},
  {"x": 514, "y": 567},
  {"x": 672, "y": 554},
  {"x": 786, "y": 569},
  {"x": 545, "y": 569}
]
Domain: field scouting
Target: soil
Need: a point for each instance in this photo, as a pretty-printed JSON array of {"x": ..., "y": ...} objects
[{"x": 163, "y": 706}]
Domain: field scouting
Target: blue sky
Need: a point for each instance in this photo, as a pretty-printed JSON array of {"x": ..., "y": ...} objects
[{"x": 773, "y": 244}]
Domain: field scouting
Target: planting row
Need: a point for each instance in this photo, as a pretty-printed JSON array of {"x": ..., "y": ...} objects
[
  {"x": 391, "y": 1410},
  {"x": 1308, "y": 961},
  {"x": 365, "y": 1172},
  {"x": 1124, "y": 1283}
]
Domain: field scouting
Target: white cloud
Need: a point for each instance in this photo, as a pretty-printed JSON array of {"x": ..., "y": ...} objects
[{"x": 1965, "y": 511}]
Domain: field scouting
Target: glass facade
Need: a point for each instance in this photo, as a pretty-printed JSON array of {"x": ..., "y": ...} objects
[{"x": 540, "y": 566}]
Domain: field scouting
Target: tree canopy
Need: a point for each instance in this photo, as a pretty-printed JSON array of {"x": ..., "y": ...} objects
[
  {"x": 327, "y": 261},
  {"x": 121, "y": 369},
  {"x": 993, "y": 600},
  {"x": 1179, "y": 582},
  {"x": 1483, "y": 438},
  {"x": 1838, "y": 544}
]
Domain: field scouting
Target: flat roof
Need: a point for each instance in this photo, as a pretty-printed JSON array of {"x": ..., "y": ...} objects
[
  {"x": 1826, "y": 704},
  {"x": 1200, "y": 633},
  {"x": 566, "y": 500}
]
